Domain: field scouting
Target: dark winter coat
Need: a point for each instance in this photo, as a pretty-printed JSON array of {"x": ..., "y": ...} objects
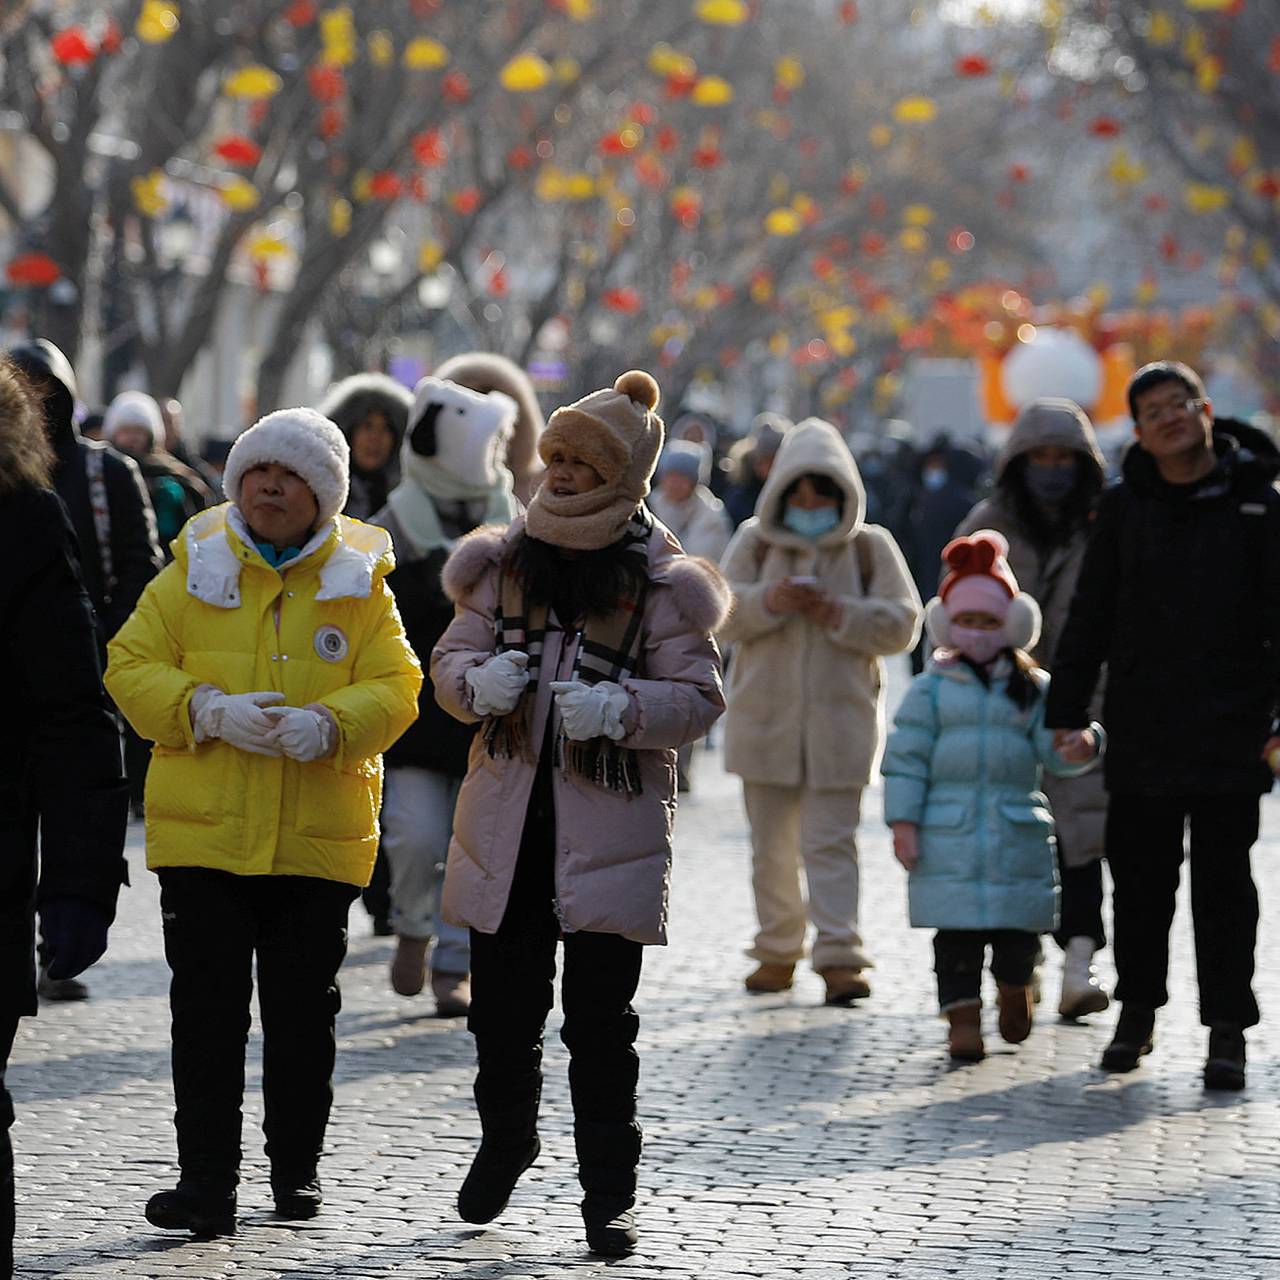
[
  {"x": 436, "y": 740},
  {"x": 60, "y": 772},
  {"x": 134, "y": 548},
  {"x": 1179, "y": 596}
]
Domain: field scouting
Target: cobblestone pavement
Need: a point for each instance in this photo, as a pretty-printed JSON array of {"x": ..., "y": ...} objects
[{"x": 783, "y": 1138}]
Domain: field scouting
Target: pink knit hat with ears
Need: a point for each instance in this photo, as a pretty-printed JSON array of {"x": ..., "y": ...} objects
[{"x": 981, "y": 581}]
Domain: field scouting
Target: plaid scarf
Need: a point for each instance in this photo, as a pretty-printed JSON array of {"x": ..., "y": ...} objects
[{"x": 610, "y": 648}]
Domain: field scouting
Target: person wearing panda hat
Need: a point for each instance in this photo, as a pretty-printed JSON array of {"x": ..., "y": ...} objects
[
  {"x": 583, "y": 646},
  {"x": 454, "y": 480},
  {"x": 962, "y": 769},
  {"x": 269, "y": 666}
]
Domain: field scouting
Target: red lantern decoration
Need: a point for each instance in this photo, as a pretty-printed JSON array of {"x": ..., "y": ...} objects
[
  {"x": 668, "y": 139},
  {"x": 519, "y": 157},
  {"x": 680, "y": 85},
  {"x": 237, "y": 149},
  {"x": 331, "y": 123},
  {"x": 707, "y": 157},
  {"x": 385, "y": 185},
  {"x": 972, "y": 65},
  {"x": 466, "y": 201},
  {"x": 1105, "y": 127},
  {"x": 1169, "y": 247},
  {"x": 35, "y": 269},
  {"x": 648, "y": 170},
  {"x": 498, "y": 283},
  {"x": 612, "y": 144},
  {"x": 301, "y": 13},
  {"x": 1019, "y": 173},
  {"x": 849, "y": 12},
  {"x": 624, "y": 299},
  {"x": 73, "y": 48},
  {"x": 430, "y": 149},
  {"x": 112, "y": 38},
  {"x": 873, "y": 244},
  {"x": 456, "y": 87},
  {"x": 326, "y": 83},
  {"x": 1268, "y": 185},
  {"x": 641, "y": 113}
]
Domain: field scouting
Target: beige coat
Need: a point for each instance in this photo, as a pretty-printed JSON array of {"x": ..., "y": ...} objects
[
  {"x": 613, "y": 851},
  {"x": 1049, "y": 576},
  {"x": 806, "y": 703}
]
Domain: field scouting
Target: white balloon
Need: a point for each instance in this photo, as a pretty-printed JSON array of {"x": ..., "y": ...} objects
[{"x": 1056, "y": 362}]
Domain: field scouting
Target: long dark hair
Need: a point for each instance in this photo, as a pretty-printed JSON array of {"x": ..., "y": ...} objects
[
  {"x": 580, "y": 585},
  {"x": 1043, "y": 529}
]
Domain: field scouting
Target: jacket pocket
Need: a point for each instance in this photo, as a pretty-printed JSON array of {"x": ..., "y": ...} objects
[
  {"x": 336, "y": 804},
  {"x": 944, "y": 813},
  {"x": 1029, "y": 815},
  {"x": 190, "y": 786}
]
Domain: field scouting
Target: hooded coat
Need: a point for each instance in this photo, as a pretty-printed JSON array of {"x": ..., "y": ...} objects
[
  {"x": 1179, "y": 596},
  {"x": 484, "y": 371},
  {"x": 806, "y": 703},
  {"x": 347, "y": 404},
  {"x": 114, "y": 578},
  {"x": 325, "y": 630},
  {"x": 612, "y": 850},
  {"x": 1049, "y": 575}
]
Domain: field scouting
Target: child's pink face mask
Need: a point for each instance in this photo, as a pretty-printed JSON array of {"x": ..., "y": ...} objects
[{"x": 980, "y": 646}]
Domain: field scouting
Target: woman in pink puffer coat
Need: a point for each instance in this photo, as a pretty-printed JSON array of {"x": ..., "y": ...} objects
[{"x": 582, "y": 642}]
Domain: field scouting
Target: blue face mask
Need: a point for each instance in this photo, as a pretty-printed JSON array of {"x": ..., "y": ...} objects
[
  {"x": 811, "y": 524},
  {"x": 1051, "y": 483}
]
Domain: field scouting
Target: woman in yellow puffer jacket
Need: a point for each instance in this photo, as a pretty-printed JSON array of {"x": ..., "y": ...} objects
[{"x": 270, "y": 668}]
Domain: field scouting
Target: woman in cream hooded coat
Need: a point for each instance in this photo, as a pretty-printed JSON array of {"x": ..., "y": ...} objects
[{"x": 815, "y": 609}]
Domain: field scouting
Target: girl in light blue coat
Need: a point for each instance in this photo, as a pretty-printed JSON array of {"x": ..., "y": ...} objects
[{"x": 962, "y": 774}]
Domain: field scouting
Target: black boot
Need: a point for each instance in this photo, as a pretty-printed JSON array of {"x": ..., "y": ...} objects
[
  {"x": 509, "y": 1145},
  {"x": 1224, "y": 1067},
  {"x": 608, "y": 1154},
  {"x": 297, "y": 1198},
  {"x": 1132, "y": 1040},
  {"x": 189, "y": 1208}
]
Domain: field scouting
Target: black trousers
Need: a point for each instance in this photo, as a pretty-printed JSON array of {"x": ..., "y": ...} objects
[
  {"x": 8, "y": 1029},
  {"x": 512, "y": 988},
  {"x": 1081, "y": 903},
  {"x": 959, "y": 955},
  {"x": 1145, "y": 836},
  {"x": 215, "y": 923}
]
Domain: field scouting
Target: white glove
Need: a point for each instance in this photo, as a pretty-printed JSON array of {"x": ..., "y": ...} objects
[
  {"x": 496, "y": 685},
  {"x": 590, "y": 710},
  {"x": 237, "y": 718},
  {"x": 302, "y": 734}
]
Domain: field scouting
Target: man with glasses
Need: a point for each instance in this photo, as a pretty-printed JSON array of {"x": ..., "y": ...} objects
[{"x": 1179, "y": 597}]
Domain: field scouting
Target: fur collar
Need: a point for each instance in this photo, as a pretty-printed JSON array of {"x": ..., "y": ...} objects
[{"x": 362, "y": 552}]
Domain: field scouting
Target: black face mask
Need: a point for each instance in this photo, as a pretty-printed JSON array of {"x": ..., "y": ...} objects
[{"x": 1052, "y": 483}]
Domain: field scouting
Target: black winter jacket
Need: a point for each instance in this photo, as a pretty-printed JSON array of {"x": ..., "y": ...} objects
[
  {"x": 135, "y": 550},
  {"x": 1180, "y": 596},
  {"x": 435, "y": 740},
  {"x": 60, "y": 772}
]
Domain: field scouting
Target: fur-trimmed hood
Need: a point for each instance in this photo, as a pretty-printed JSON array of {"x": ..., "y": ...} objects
[
  {"x": 699, "y": 590},
  {"x": 349, "y": 402}
]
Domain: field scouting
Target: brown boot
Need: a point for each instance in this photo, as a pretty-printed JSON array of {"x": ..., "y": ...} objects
[
  {"x": 845, "y": 985},
  {"x": 409, "y": 966},
  {"x": 964, "y": 1037},
  {"x": 453, "y": 994},
  {"x": 770, "y": 977},
  {"x": 1016, "y": 1010}
]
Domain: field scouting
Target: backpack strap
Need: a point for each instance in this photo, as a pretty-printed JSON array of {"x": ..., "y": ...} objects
[{"x": 101, "y": 508}]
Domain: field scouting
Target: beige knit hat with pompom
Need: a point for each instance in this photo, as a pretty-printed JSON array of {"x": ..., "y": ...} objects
[{"x": 617, "y": 432}]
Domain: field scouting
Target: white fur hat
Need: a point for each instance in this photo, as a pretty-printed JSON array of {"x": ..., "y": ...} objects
[
  {"x": 133, "y": 409},
  {"x": 304, "y": 441}
]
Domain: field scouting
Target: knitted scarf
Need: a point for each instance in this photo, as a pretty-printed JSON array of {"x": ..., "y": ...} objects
[{"x": 610, "y": 648}]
